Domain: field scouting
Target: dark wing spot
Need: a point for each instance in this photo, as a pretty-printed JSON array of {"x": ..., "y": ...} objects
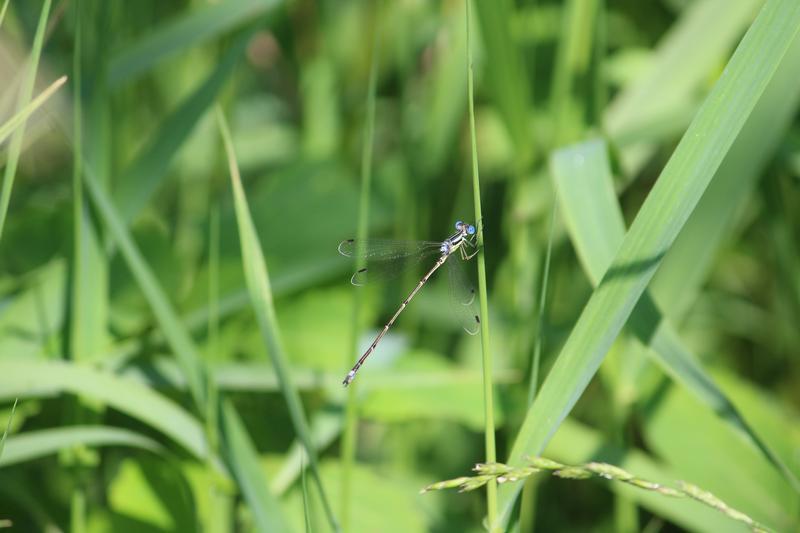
[
  {"x": 477, "y": 319},
  {"x": 362, "y": 270},
  {"x": 350, "y": 241}
]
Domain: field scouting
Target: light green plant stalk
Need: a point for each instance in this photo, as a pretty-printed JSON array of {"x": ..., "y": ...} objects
[
  {"x": 8, "y": 427},
  {"x": 501, "y": 473},
  {"x": 351, "y": 409},
  {"x": 488, "y": 401},
  {"x": 14, "y": 122},
  {"x": 25, "y": 94},
  {"x": 3, "y": 11}
]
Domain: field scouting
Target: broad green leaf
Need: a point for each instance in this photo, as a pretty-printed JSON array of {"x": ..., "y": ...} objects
[
  {"x": 26, "y": 91},
  {"x": 258, "y": 285},
  {"x": 146, "y": 495},
  {"x": 33, "y": 445},
  {"x": 662, "y": 216},
  {"x": 200, "y": 25},
  {"x": 148, "y": 170},
  {"x": 700, "y": 448},
  {"x": 17, "y": 120}
]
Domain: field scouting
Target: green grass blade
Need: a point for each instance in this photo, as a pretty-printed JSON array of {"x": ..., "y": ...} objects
[
  {"x": 8, "y": 428},
  {"x": 258, "y": 285},
  {"x": 199, "y": 26},
  {"x": 246, "y": 469},
  {"x": 17, "y": 120},
  {"x": 146, "y": 172},
  {"x": 177, "y": 336},
  {"x": 663, "y": 214},
  {"x": 34, "y": 445},
  {"x": 3, "y": 11},
  {"x": 488, "y": 381},
  {"x": 583, "y": 179},
  {"x": 37, "y": 379},
  {"x": 26, "y": 91},
  {"x": 689, "y": 261}
]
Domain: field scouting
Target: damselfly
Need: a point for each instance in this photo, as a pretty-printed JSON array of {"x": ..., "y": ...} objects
[{"x": 384, "y": 258}]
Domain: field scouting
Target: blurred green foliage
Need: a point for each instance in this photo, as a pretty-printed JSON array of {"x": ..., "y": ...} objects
[{"x": 160, "y": 389}]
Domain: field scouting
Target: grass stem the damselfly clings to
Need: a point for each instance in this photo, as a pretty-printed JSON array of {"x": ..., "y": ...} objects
[{"x": 386, "y": 257}]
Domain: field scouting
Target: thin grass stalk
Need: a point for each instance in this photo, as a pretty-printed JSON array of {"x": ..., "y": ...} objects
[
  {"x": 349, "y": 444},
  {"x": 8, "y": 426},
  {"x": 8, "y": 127},
  {"x": 488, "y": 400},
  {"x": 25, "y": 94},
  {"x": 78, "y": 497}
]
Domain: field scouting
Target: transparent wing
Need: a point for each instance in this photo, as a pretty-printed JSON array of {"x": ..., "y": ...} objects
[
  {"x": 462, "y": 296},
  {"x": 386, "y": 259}
]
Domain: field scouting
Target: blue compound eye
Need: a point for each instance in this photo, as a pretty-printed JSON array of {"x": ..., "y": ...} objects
[
  {"x": 459, "y": 224},
  {"x": 471, "y": 229}
]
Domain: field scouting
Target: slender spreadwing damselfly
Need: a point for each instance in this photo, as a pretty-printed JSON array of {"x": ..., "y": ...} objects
[{"x": 385, "y": 258}]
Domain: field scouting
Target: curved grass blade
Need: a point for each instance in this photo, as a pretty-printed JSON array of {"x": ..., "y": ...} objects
[
  {"x": 17, "y": 120},
  {"x": 594, "y": 220},
  {"x": 33, "y": 445},
  {"x": 38, "y": 379},
  {"x": 26, "y": 91},
  {"x": 199, "y": 26},
  {"x": 669, "y": 204},
  {"x": 258, "y": 285}
]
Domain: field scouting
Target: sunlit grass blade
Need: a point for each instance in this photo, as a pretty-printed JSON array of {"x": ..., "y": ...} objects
[
  {"x": 8, "y": 428},
  {"x": 14, "y": 122},
  {"x": 42, "y": 379},
  {"x": 26, "y": 91},
  {"x": 660, "y": 219},
  {"x": 3, "y": 11},
  {"x": 689, "y": 261},
  {"x": 583, "y": 179},
  {"x": 246, "y": 469},
  {"x": 34, "y": 445},
  {"x": 148, "y": 170},
  {"x": 200, "y": 25},
  {"x": 258, "y": 285}
]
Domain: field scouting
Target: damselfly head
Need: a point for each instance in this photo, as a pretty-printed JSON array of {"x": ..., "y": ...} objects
[{"x": 464, "y": 227}]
